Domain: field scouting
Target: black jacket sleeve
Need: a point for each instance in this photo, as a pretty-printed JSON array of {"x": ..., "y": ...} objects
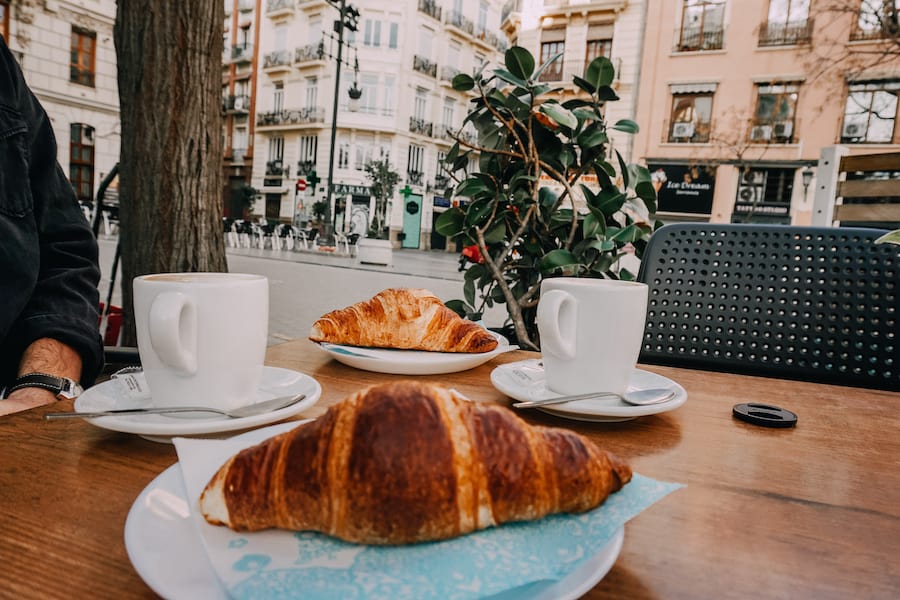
[{"x": 48, "y": 254}]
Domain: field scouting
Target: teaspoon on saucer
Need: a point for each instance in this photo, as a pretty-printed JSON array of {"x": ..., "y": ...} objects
[
  {"x": 244, "y": 411},
  {"x": 635, "y": 397}
]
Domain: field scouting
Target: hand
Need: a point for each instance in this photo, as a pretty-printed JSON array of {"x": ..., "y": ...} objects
[{"x": 26, "y": 399}]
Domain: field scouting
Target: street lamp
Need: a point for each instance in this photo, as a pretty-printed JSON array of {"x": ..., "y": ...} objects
[
  {"x": 349, "y": 19},
  {"x": 806, "y": 176}
]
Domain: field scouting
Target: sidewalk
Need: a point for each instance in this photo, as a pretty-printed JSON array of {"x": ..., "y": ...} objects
[{"x": 435, "y": 264}]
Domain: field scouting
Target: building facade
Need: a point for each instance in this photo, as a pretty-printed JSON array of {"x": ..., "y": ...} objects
[
  {"x": 402, "y": 58},
  {"x": 738, "y": 99},
  {"x": 67, "y": 53}
]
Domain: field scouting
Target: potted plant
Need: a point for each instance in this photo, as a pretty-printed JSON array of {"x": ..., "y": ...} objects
[
  {"x": 546, "y": 200},
  {"x": 376, "y": 247}
]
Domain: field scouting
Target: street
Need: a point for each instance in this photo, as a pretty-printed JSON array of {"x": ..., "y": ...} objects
[{"x": 301, "y": 291}]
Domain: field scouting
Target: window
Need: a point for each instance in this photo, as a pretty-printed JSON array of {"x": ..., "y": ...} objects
[
  {"x": 788, "y": 23},
  {"x": 390, "y": 84},
  {"x": 871, "y": 112},
  {"x": 372, "y": 33},
  {"x": 82, "y": 56},
  {"x": 364, "y": 146},
  {"x": 276, "y": 148},
  {"x": 239, "y": 142},
  {"x": 312, "y": 92},
  {"x": 393, "y": 35},
  {"x": 306, "y": 152},
  {"x": 278, "y": 97},
  {"x": 552, "y": 43},
  {"x": 773, "y": 120},
  {"x": 420, "y": 103},
  {"x": 4, "y": 19},
  {"x": 415, "y": 159},
  {"x": 691, "y": 118},
  {"x": 702, "y": 25},
  {"x": 481, "y": 28},
  {"x": 81, "y": 160},
  {"x": 877, "y": 19},
  {"x": 764, "y": 196},
  {"x": 369, "y": 101},
  {"x": 599, "y": 43},
  {"x": 449, "y": 114},
  {"x": 343, "y": 153}
]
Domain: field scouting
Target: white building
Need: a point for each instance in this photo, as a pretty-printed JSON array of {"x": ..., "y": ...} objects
[
  {"x": 67, "y": 53},
  {"x": 407, "y": 54}
]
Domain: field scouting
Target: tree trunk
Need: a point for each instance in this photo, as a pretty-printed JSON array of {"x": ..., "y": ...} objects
[{"x": 169, "y": 57}]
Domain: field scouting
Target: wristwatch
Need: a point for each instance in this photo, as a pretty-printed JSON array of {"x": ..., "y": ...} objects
[{"x": 63, "y": 387}]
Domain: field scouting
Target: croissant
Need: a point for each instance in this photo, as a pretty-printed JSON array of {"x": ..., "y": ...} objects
[
  {"x": 412, "y": 319},
  {"x": 408, "y": 462}
]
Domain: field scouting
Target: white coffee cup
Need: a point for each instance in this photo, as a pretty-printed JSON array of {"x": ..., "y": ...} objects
[
  {"x": 591, "y": 333},
  {"x": 202, "y": 337}
]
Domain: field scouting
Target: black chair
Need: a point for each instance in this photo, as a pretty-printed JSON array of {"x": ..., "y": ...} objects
[{"x": 805, "y": 303}]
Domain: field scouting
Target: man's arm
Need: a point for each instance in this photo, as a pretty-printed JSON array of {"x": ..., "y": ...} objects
[{"x": 48, "y": 356}]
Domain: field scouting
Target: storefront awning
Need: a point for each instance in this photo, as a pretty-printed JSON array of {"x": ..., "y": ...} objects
[{"x": 693, "y": 88}]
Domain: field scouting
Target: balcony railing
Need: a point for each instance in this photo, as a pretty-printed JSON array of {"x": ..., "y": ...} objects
[
  {"x": 276, "y": 168},
  {"x": 279, "y": 58},
  {"x": 686, "y": 132},
  {"x": 296, "y": 116},
  {"x": 275, "y": 7},
  {"x": 553, "y": 72},
  {"x": 456, "y": 19},
  {"x": 238, "y": 154},
  {"x": 305, "y": 167},
  {"x": 786, "y": 34},
  {"x": 888, "y": 30},
  {"x": 242, "y": 53},
  {"x": 512, "y": 6},
  {"x": 691, "y": 39},
  {"x": 423, "y": 65},
  {"x": 309, "y": 53},
  {"x": 448, "y": 73},
  {"x": 415, "y": 177},
  {"x": 430, "y": 8},
  {"x": 420, "y": 126},
  {"x": 239, "y": 103},
  {"x": 445, "y": 132}
]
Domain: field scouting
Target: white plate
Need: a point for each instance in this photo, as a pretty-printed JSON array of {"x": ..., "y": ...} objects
[
  {"x": 412, "y": 362},
  {"x": 164, "y": 546},
  {"x": 524, "y": 381},
  {"x": 275, "y": 382}
]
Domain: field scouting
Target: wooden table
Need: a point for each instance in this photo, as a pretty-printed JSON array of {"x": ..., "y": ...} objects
[{"x": 809, "y": 512}]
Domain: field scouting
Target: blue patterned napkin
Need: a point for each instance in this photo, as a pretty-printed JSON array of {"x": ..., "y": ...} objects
[{"x": 513, "y": 561}]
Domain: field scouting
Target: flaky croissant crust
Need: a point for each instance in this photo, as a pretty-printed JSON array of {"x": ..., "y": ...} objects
[
  {"x": 411, "y": 319},
  {"x": 410, "y": 462}
]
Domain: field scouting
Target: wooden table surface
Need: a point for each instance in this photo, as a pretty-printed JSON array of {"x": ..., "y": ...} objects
[{"x": 809, "y": 512}]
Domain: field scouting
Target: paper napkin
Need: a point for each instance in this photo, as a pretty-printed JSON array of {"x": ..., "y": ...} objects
[{"x": 507, "y": 559}]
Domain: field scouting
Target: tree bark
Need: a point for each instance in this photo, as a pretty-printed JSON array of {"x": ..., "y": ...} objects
[{"x": 169, "y": 56}]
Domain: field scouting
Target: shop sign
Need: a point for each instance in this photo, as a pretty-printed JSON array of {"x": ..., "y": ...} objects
[{"x": 683, "y": 188}]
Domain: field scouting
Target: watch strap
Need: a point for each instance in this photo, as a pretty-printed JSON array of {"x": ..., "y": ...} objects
[{"x": 55, "y": 384}]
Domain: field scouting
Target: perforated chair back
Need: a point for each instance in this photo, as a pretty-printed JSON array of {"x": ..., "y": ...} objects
[{"x": 805, "y": 303}]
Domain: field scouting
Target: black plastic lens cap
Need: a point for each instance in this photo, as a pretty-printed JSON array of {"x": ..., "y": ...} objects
[{"x": 764, "y": 415}]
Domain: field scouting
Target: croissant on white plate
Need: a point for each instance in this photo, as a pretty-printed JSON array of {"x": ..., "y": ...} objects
[
  {"x": 408, "y": 462},
  {"x": 406, "y": 318}
]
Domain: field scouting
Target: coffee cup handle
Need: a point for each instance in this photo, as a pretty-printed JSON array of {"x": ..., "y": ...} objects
[
  {"x": 173, "y": 331},
  {"x": 557, "y": 338}
]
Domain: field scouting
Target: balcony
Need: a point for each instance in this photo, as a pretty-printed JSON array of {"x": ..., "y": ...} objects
[
  {"x": 791, "y": 33},
  {"x": 305, "y": 167},
  {"x": 415, "y": 177},
  {"x": 280, "y": 60},
  {"x": 238, "y": 154},
  {"x": 456, "y": 19},
  {"x": 309, "y": 53},
  {"x": 448, "y": 73},
  {"x": 423, "y": 65},
  {"x": 242, "y": 53},
  {"x": 446, "y": 132},
  {"x": 420, "y": 126},
  {"x": 239, "y": 103},
  {"x": 296, "y": 116},
  {"x": 693, "y": 39},
  {"x": 887, "y": 30},
  {"x": 276, "y": 168},
  {"x": 686, "y": 132},
  {"x": 430, "y": 8},
  {"x": 511, "y": 7},
  {"x": 279, "y": 8}
]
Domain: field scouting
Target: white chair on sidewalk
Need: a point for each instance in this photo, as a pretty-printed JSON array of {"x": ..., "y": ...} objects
[{"x": 341, "y": 240}]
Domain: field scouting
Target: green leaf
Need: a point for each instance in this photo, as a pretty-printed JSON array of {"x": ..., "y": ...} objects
[
  {"x": 472, "y": 187},
  {"x": 469, "y": 291},
  {"x": 496, "y": 234},
  {"x": 517, "y": 107},
  {"x": 592, "y": 137},
  {"x": 608, "y": 200},
  {"x": 540, "y": 70},
  {"x": 558, "y": 261},
  {"x": 584, "y": 84},
  {"x": 451, "y": 222},
  {"x": 559, "y": 114},
  {"x": 892, "y": 237},
  {"x": 607, "y": 94},
  {"x": 626, "y": 125},
  {"x": 631, "y": 233},
  {"x": 601, "y": 245},
  {"x": 623, "y": 169},
  {"x": 462, "y": 82},
  {"x": 600, "y": 72},
  {"x": 478, "y": 211},
  {"x": 519, "y": 61},
  {"x": 547, "y": 197},
  {"x": 459, "y": 307},
  {"x": 592, "y": 226},
  {"x": 508, "y": 77},
  {"x": 474, "y": 272}
]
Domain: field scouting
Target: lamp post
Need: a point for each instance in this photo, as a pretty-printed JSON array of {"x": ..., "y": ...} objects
[
  {"x": 806, "y": 176},
  {"x": 349, "y": 18}
]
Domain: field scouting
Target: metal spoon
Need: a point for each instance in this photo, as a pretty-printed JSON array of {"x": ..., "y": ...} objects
[
  {"x": 634, "y": 397},
  {"x": 237, "y": 413}
]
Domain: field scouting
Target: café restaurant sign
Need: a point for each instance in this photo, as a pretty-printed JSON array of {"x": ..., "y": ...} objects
[{"x": 683, "y": 188}]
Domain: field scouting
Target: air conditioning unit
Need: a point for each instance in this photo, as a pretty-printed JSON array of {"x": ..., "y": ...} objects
[
  {"x": 853, "y": 130},
  {"x": 682, "y": 130},
  {"x": 784, "y": 129},
  {"x": 750, "y": 186},
  {"x": 761, "y": 133},
  {"x": 239, "y": 103}
]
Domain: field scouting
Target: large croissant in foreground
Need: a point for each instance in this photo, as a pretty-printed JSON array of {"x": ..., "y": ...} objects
[
  {"x": 410, "y": 462},
  {"x": 412, "y": 319}
]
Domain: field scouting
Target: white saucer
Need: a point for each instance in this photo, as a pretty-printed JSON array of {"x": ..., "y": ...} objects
[
  {"x": 275, "y": 382},
  {"x": 165, "y": 548},
  {"x": 412, "y": 362},
  {"x": 524, "y": 381}
]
